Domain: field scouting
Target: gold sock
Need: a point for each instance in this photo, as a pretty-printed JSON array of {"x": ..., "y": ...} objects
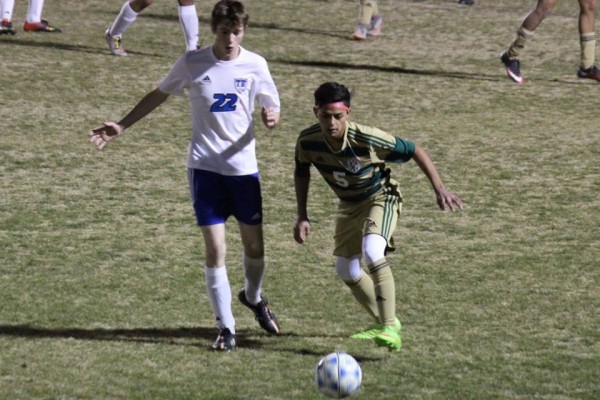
[
  {"x": 588, "y": 49},
  {"x": 364, "y": 292},
  {"x": 523, "y": 35},
  {"x": 385, "y": 290}
]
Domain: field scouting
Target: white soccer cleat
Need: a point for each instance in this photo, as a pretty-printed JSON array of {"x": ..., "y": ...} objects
[
  {"x": 360, "y": 33},
  {"x": 115, "y": 45}
]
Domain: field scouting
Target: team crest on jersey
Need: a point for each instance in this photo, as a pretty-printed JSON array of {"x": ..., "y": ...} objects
[
  {"x": 240, "y": 85},
  {"x": 353, "y": 165}
]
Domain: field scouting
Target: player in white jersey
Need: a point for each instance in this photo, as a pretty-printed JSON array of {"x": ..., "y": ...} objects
[
  {"x": 223, "y": 82},
  {"x": 227, "y": 89},
  {"x": 129, "y": 13},
  {"x": 33, "y": 21}
]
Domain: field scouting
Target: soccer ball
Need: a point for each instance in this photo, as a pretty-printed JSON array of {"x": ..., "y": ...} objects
[{"x": 338, "y": 375}]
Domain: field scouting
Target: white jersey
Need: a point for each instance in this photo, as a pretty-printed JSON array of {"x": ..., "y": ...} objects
[{"x": 222, "y": 95}]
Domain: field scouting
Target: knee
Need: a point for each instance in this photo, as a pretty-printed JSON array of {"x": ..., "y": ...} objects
[
  {"x": 215, "y": 254},
  {"x": 139, "y": 5},
  {"x": 348, "y": 269},
  {"x": 373, "y": 248},
  {"x": 372, "y": 255},
  {"x": 588, "y": 7},
  {"x": 255, "y": 253},
  {"x": 544, "y": 9},
  {"x": 185, "y": 2},
  {"x": 254, "y": 249}
]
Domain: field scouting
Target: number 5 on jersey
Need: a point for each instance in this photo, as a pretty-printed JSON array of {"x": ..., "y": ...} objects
[{"x": 340, "y": 178}]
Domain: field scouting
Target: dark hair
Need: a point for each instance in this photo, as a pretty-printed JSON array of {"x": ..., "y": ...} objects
[
  {"x": 230, "y": 12},
  {"x": 332, "y": 92}
]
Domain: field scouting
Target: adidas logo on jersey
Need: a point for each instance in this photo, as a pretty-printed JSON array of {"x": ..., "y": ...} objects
[{"x": 206, "y": 80}]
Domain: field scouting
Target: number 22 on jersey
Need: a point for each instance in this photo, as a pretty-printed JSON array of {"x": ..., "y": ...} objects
[{"x": 224, "y": 102}]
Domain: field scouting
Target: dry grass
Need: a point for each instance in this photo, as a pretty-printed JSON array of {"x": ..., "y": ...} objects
[{"x": 101, "y": 280}]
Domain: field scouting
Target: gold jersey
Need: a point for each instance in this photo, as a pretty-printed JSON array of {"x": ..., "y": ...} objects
[{"x": 357, "y": 170}]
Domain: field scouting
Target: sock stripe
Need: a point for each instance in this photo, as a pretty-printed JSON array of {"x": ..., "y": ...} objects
[{"x": 378, "y": 265}]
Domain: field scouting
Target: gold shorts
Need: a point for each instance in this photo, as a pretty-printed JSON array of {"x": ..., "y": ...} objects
[{"x": 377, "y": 215}]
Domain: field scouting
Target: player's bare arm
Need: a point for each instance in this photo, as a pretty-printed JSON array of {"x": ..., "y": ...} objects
[
  {"x": 111, "y": 130},
  {"x": 446, "y": 200},
  {"x": 302, "y": 226}
]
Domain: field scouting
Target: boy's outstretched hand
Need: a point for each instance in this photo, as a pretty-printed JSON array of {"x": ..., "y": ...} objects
[
  {"x": 107, "y": 132},
  {"x": 447, "y": 200}
]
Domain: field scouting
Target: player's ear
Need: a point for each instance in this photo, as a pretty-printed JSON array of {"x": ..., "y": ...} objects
[{"x": 316, "y": 110}]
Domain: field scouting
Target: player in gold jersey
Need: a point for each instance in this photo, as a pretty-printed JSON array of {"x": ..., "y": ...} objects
[
  {"x": 130, "y": 10},
  {"x": 369, "y": 20},
  {"x": 587, "y": 39},
  {"x": 352, "y": 159}
]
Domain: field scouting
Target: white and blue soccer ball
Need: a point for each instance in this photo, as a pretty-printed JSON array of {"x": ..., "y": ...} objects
[{"x": 338, "y": 375}]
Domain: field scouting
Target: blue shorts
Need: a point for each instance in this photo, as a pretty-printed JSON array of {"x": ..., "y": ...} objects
[{"x": 215, "y": 197}]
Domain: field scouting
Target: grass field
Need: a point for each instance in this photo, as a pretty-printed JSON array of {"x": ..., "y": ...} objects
[{"x": 101, "y": 285}]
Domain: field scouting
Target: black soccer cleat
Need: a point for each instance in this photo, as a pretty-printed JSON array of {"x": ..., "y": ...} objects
[
  {"x": 225, "y": 341},
  {"x": 589, "y": 73},
  {"x": 513, "y": 68},
  {"x": 6, "y": 28},
  {"x": 265, "y": 317}
]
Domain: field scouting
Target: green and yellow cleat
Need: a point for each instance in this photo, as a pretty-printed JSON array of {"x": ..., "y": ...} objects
[
  {"x": 389, "y": 338},
  {"x": 374, "y": 330}
]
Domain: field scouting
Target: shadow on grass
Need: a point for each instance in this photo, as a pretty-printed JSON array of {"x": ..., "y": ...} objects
[
  {"x": 323, "y": 351},
  {"x": 323, "y": 347},
  {"x": 255, "y": 25},
  {"x": 476, "y": 76},
  {"x": 174, "y": 17},
  {"x": 177, "y": 336},
  {"x": 391, "y": 69},
  {"x": 304, "y": 63},
  {"x": 17, "y": 41},
  {"x": 173, "y": 336}
]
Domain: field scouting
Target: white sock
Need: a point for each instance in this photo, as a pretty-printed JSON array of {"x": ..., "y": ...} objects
[
  {"x": 34, "y": 11},
  {"x": 219, "y": 294},
  {"x": 7, "y": 9},
  {"x": 254, "y": 269},
  {"x": 125, "y": 18},
  {"x": 189, "y": 23}
]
